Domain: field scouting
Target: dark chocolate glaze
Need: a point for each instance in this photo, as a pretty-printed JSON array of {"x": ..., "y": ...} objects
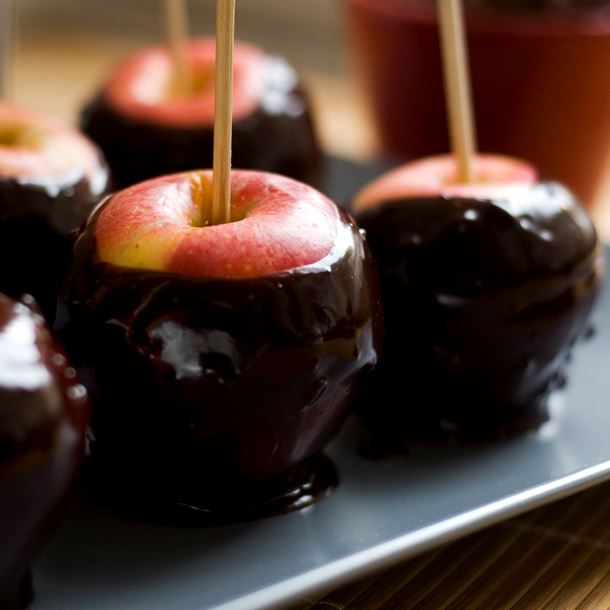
[
  {"x": 483, "y": 301},
  {"x": 36, "y": 224},
  {"x": 43, "y": 415},
  {"x": 215, "y": 397},
  {"x": 278, "y": 137}
]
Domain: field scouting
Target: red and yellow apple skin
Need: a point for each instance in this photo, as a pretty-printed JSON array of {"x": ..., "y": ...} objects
[
  {"x": 51, "y": 177},
  {"x": 225, "y": 357},
  {"x": 147, "y": 128},
  {"x": 43, "y": 414},
  {"x": 485, "y": 289}
]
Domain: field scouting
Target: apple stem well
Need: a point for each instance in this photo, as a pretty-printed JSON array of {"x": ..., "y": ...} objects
[
  {"x": 457, "y": 87},
  {"x": 176, "y": 22},
  {"x": 223, "y": 112}
]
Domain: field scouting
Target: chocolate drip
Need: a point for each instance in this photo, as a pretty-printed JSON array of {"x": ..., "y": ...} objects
[
  {"x": 483, "y": 301},
  {"x": 278, "y": 137},
  {"x": 214, "y": 396},
  {"x": 37, "y": 219},
  {"x": 43, "y": 414}
]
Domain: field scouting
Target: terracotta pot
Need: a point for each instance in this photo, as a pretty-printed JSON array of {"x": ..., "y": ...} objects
[{"x": 540, "y": 84}]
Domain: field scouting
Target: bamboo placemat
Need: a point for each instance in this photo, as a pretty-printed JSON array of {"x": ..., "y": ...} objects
[{"x": 557, "y": 557}]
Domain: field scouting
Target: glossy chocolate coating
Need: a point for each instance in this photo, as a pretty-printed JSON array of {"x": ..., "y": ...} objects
[
  {"x": 213, "y": 396},
  {"x": 43, "y": 415},
  {"x": 37, "y": 219},
  {"x": 278, "y": 137},
  {"x": 483, "y": 301}
]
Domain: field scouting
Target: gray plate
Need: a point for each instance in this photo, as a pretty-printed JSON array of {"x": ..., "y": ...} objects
[{"x": 382, "y": 512}]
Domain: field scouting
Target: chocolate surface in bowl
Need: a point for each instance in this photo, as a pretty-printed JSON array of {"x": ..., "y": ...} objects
[
  {"x": 37, "y": 219},
  {"x": 214, "y": 398},
  {"x": 483, "y": 301},
  {"x": 43, "y": 414},
  {"x": 278, "y": 136}
]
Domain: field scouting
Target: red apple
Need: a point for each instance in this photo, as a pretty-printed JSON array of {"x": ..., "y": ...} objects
[
  {"x": 50, "y": 179},
  {"x": 279, "y": 224},
  {"x": 149, "y": 125},
  {"x": 486, "y": 287},
  {"x": 43, "y": 414},
  {"x": 495, "y": 176},
  {"x": 143, "y": 86},
  {"x": 237, "y": 348},
  {"x": 40, "y": 149}
]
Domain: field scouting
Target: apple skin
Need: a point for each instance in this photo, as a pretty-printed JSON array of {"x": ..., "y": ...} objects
[
  {"x": 279, "y": 224},
  {"x": 51, "y": 177},
  {"x": 215, "y": 396},
  {"x": 147, "y": 137},
  {"x": 43, "y": 416},
  {"x": 484, "y": 297}
]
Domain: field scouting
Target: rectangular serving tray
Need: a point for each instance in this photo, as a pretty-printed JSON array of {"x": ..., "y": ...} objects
[{"x": 382, "y": 512}]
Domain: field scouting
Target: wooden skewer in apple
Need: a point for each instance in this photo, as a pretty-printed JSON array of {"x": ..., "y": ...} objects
[
  {"x": 8, "y": 38},
  {"x": 457, "y": 87},
  {"x": 223, "y": 115},
  {"x": 220, "y": 211},
  {"x": 176, "y": 22}
]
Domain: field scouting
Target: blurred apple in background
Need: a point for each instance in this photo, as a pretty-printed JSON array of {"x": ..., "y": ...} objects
[{"x": 68, "y": 48}]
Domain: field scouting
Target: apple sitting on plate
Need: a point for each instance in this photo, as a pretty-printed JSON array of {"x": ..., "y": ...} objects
[
  {"x": 485, "y": 288},
  {"x": 43, "y": 415},
  {"x": 148, "y": 125},
  {"x": 50, "y": 179},
  {"x": 224, "y": 357}
]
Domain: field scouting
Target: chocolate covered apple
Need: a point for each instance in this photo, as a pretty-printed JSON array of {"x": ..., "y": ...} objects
[
  {"x": 43, "y": 414},
  {"x": 225, "y": 357},
  {"x": 485, "y": 288},
  {"x": 50, "y": 179},
  {"x": 147, "y": 126}
]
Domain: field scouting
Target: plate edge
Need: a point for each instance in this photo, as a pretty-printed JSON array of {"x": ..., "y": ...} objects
[{"x": 388, "y": 553}]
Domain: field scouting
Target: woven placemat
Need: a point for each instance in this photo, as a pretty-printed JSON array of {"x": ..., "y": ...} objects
[{"x": 556, "y": 557}]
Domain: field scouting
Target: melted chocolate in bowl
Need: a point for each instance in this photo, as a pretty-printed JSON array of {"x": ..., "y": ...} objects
[
  {"x": 278, "y": 137},
  {"x": 483, "y": 302},
  {"x": 43, "y": 414},
  {"x": 214, "y": 398},
  {"x": 37, "y": 219}
]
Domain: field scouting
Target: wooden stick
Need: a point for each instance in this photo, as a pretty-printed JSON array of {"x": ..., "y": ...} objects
[
  {"x": 8, "y": 44},
  {"x": 177, "y": 35},
  {"x": 223, "y": 113},
  {"x": 457, "y": 87}
]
